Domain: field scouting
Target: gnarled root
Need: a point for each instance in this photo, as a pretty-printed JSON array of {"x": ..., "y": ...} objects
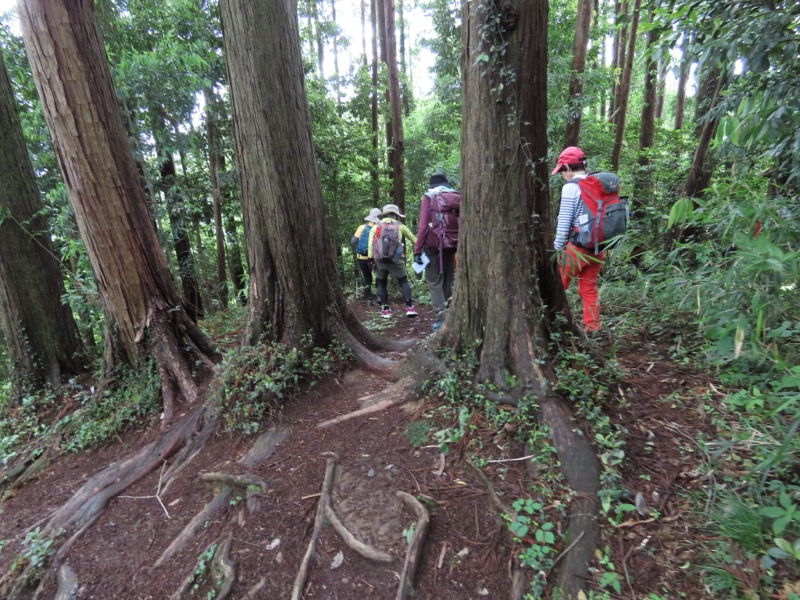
[
  {"x": 305, "y": 565},
  {"x": 67, "y": 583},
  {"x": 209, "y": 512},
  {"x": 582, "y": 469},
  {"x": 81, "y": 511},
  {"x": 414, "y": 552},
  {"x": 358, "y": 546},
  {"x": 223, "y": 571}
]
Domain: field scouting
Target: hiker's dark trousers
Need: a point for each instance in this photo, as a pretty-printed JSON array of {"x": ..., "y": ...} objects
[{"x": 439, "y": 276}]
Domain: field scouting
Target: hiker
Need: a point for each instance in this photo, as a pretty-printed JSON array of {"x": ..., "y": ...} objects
[
  {"x": 437, "y": 238},
  {"x": 387, "y": 248},
  {"x": 574, "y": 261},
  {"x": 360, "y": 244}
]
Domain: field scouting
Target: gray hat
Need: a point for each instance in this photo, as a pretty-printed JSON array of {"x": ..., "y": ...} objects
[
  {"x": 391, "y": 209},
  {"x": 373, "y": 216}
]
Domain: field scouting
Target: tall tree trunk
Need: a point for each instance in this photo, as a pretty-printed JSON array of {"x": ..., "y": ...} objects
[
  {"x": 700, "y": 172},
  {"x": 510, "y": 305},
  {"x": 683, "y": 78},
  {"x": 294, "y": 292},
  {"x": 643, "y": 180},
  {"x": 364, "y": 32},
  {"x": 236, "y": 266},
  {"x": 73, "y": 79},
  {"x": 178, "y": 221},
  {"x": 625, "y": 87},
  {"x": 396, "y": 156},
  {"x": 216, "y": 195},
  {"x": 661, "y": 88},
  {"x": 579, "y": 46},
  {"x": 319, "y": 38},
  {"x": 404, "y": 75},
  {"x": 375, "y": 158},
  {"x": 42, "y": 338},
  {"x": 620, "y": 45},
  {"x": 237, "y": 269},
  {"x": 337, "y": 81}
]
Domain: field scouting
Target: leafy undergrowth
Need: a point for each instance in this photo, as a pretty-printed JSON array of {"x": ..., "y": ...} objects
[{"x": 699, "y": 484}]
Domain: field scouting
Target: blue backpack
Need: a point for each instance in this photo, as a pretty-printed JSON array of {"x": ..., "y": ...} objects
[{"x": 363, "y": 241}]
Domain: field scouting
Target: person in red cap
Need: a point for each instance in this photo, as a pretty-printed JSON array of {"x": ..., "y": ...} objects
[{"x": 575, "y": 262}]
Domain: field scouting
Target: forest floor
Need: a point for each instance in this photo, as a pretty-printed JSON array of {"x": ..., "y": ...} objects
[{"x": 468, "y": 552}]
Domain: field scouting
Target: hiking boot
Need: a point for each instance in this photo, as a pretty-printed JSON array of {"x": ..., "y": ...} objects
[
  {"x": 437, "y": 324},
  {"x": 386, "y": 313},
  {"x": 411, "y": 311}
]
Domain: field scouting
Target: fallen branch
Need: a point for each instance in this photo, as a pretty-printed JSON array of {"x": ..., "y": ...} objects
[
  {"x": 414, "y": 551},
  {"x": 305, "y": 565}
]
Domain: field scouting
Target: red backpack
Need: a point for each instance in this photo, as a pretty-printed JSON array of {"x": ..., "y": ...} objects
[
  {"x": 605, "y": 215},
  {"x": 387, "y": 245},
  {"x": 443, "y": 220}
]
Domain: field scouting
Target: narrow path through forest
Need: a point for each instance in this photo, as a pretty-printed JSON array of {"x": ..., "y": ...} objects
[{"x": 247, "y": 506}]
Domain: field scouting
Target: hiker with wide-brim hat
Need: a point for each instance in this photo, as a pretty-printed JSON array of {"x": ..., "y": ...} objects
[
  {"x": 360, "y": 245},
  {"x": 387, "y": 249}
]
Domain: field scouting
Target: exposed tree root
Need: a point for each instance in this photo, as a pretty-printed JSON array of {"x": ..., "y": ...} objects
[
  {"x": 67, "y": 583},
  {"x": 413, "y": 372},
  {"x": 81, "y": 511},
  {"x": 582, "y": 469},
  {"x": 305, "y": 565},
  {"x": 358, "y": 546},
  {"x": 209, "y": 512},
  {"x": 406, "y": 588},
  {"x": 224, "y": 569}
]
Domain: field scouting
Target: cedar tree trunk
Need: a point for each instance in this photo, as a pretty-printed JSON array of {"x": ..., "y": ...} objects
[
  {"x": 508, "y": 300},
  {"x": 73, "y": 79},
  {"x": 293, "y": 291},
  {"x": 396, "y": 154},
  {"x": 216, "y": 195},
  {"x": 41, "y": 334},
  {"x": 625, "y": 88},
  {"x": 579, "y": 46}
]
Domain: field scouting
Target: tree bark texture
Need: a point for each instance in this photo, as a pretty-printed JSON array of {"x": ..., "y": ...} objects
[
  {"x": 625, "y": 88},
  {"x": 508, "y": 300},
  {"x": 396, "y": 154},
  {"x": 579, "y": 46},
  {"x": 73, "y": 79},
  {"x": 41, "y": 335},
  {"x": 281, "y": 193},
  {"x": 500, "y": 296}
]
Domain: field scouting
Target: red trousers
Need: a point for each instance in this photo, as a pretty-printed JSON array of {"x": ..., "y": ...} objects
[{"x": 586, "y": 266}]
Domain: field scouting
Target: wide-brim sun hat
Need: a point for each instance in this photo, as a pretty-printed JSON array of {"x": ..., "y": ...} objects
[
  {"x": 373, "y": 216},
  {"x": 571, "y": 155},
  {"x": 391, "y": 209}
]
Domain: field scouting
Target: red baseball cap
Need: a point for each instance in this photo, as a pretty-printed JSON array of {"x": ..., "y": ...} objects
[{"x": 572, "y": 155}]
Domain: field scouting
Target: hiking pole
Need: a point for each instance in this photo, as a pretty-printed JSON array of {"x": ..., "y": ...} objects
[{"x": 355, "y": 277}]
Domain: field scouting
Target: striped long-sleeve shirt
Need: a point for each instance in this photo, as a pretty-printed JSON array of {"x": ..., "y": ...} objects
[{"x": 569, "y": 210}]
